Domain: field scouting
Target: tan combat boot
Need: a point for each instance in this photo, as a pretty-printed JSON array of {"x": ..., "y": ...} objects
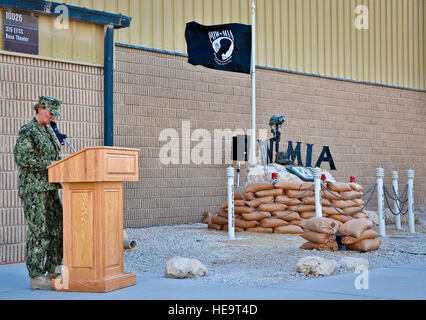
[{"x": 41, "y": 282}]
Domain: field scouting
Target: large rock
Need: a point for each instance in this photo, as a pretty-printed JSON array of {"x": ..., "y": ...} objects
[
  {"x": 317, "y": 266},
  {"x": 352, "y": 263},
  {"x": 257, "y": 173},
  {"x": 178, "y": 267},
  {"x": 373, "y": 216},
  {"x": 390, "y": 218}
]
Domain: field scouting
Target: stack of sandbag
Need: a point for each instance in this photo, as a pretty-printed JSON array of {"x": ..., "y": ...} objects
[
  {"x": 278, "y": 208},
  {"x": 320, "y": 233},
  {"x": 272, "y": 216},
  {"x": 358, "y": 235},
  {"x": 342, "y": 190}
]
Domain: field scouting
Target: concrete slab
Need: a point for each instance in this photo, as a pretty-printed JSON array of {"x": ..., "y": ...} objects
[{"x": 396, "y": 282}]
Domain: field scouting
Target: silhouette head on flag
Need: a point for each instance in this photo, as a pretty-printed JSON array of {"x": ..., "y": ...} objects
[{"x": 224, "y": 47}]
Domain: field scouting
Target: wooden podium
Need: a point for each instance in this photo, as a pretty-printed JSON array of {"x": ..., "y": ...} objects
[{"x": 92, "y": 181}]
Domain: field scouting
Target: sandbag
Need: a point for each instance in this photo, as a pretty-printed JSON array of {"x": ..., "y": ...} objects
[
  {"x": 240, "y": 203},
  {"x": 207, "y": 217},
  {"x": 330, "y": 196},
  {"x": 214, "y": 226},
  {"x": 317, "y": 237},
  {"x": 309, "y": 201},
  {"x": 292, "y": 208},
  {"x": 288, "y": 185},
  {"x": 291, "y": 229},
  {"x": 298, "y": 194},
  {"x": 367, "y": 234},
  {"x": 358, "y": 202},
  {"x": 323, "y": 247},
  {"x": 272, "y": 223},
  {"x": 330, "y": 210},
  {"x": 266, "y": 193},
  {"x": 365, "y": 245},
  {"x": 306, "y": 185},
  {"x": 260, "y": 230},
  {"x": 305, "y": 208},
  {"x": 351, "y": 194},
  {"x": 272, "y": 207},
  {"x": 254, "y": 216},
  {"x": 307, "y": 214},
  {"x": 222, "y": 213},
  {"x": 339, "y": 223},
  {"x": 240, "y": 210},
  {"x": 361, "y": 215},
  {"x": 342, "y": 204},
  {"x": 341, "y": 217},
  {"x": 257, "y": 202},
  {"x": 296, "y": 222},
  {"x": 247, "y": 196},
  {"x": 321, "y": 225},
  {"x": 258, "y": 186},
  {"x": 279, "y": 214},
  {"x": 356, "y": 187},
  {"x": 241, "y": 223},
  {"x": 355, "y": 227},
  {"x": 219, "y": 220},
  {"x": 338, "y": 186},
  {"x": 287, "y": 201},
  {"x": 352, "y": 210},
  {"x": 286, "y": 216},
  {"x": 326, "y": 202}
]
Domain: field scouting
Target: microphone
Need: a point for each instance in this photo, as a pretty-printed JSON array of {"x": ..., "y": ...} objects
[{"x": 59, "y": 135}]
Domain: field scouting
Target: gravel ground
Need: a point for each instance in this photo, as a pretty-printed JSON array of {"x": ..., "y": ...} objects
[{"x": 256, "y": 258}]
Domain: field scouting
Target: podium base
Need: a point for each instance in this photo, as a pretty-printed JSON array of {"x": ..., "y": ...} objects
[{"x": 94, "y": 285}]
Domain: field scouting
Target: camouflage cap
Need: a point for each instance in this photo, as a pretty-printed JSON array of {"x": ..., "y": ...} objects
[{"x": 52, "y": 104}]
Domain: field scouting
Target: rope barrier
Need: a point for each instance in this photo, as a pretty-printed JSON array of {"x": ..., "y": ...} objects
[
  {"x": 372, "y": 188},
  {"x": 400, "y": 212},
  {"x": 404, "y": 194}
]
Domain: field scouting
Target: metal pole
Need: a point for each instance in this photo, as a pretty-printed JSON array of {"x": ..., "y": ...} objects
[
  {"x": 253, "y": 84},
  {"x": 380, "y": 174},
  {"x": 231, "y": 221},
  {"x": 396, "y": 202},
  {"x": 410, "y": 182},
  {"x": 109, "y": 86},
  {"x": 316, "y": 172}
]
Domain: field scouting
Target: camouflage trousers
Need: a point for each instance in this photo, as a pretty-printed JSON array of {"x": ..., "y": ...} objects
[{"x": 43, "y": 212}]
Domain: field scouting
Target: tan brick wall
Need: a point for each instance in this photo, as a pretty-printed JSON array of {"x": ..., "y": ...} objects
[
  {"x": 365, "y": 126},
  {"x": 22, "y": 80}
]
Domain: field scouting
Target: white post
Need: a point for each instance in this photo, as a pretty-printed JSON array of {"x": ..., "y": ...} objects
[
  {"x": 397, "y": 205},
  {"x": 316, "y": 172},
  {"x": 253, "y": 84},
  {"x": 231, "y": 221},
  {"x": 410, "y": 191},
  {"x": 380, "y": 174}
]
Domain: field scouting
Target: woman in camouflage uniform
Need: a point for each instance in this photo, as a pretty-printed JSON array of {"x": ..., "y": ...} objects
[{"x": 35, "y": 149}]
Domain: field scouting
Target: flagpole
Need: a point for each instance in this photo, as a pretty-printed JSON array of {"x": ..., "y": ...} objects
[{"x": 253, "y": 85}]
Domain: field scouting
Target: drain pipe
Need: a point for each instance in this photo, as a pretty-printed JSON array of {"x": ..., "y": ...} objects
[
  {"x": 129, "y": 244},
  {"x": 109, "y": 86}
]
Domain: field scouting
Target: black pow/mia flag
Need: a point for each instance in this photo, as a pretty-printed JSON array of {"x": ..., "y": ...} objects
[{"x": 224, "y": 47}]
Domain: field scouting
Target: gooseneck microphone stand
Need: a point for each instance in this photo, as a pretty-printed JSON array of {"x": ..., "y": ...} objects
[{"x": 61, "y": 137}]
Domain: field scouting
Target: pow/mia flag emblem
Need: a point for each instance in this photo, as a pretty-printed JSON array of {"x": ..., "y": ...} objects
[{"x": 224, "y": 47}]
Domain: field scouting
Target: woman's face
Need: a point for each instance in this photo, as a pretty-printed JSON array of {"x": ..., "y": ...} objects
[{"x": 44, "y": 116}]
